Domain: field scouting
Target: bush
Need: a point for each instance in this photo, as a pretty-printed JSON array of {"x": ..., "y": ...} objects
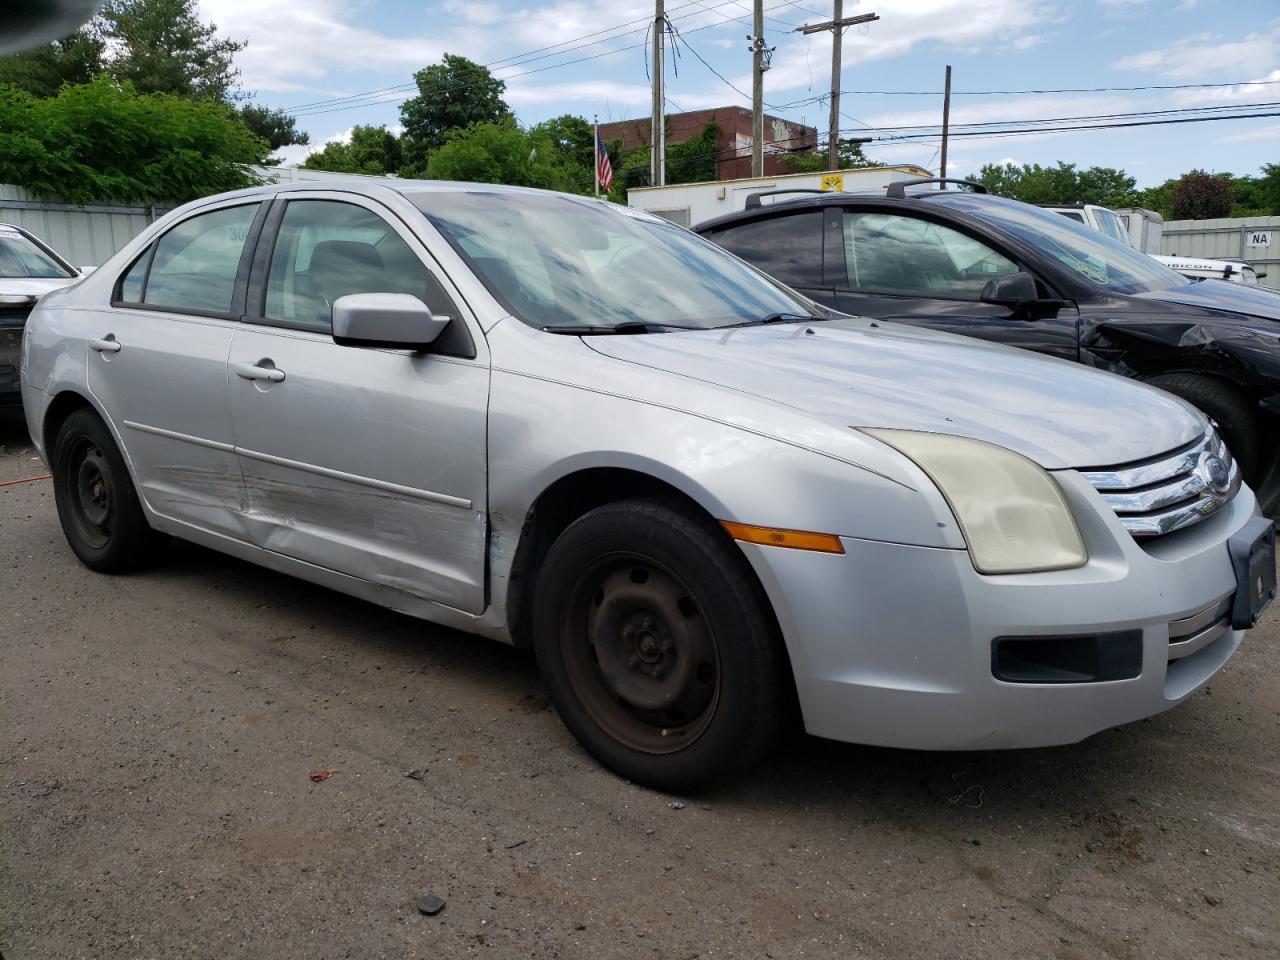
[
  {"x": 1200, "y": 196},
  {"x": 103, "y": 141}
]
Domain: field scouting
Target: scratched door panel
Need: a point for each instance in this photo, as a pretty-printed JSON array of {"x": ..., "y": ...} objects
[{"x": 370, "y": 462}]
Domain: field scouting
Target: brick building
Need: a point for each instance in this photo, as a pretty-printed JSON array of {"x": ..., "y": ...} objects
[{"x": 733, "y": 143}]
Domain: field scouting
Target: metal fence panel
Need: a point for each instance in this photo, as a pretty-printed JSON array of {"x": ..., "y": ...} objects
[
  {"x": 1228, "y": 237},
  {"x": 86, "y": 235}
]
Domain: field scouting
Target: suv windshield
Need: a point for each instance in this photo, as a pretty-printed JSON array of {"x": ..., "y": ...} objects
[
  {"x": 19, "y": 257},
  {"x": 1111, "y": 225},
  {"x": 563, "y": 262},
  {"x": 1104, "y": 262}
]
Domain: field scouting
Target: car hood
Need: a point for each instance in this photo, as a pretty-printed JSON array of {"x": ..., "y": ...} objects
[
  {"x": 1221, "y": 296},
  {"x": 863, "y": 374},
  {"x": 32, "y": 287}
]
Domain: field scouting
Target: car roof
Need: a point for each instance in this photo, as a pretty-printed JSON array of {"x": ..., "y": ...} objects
[{"x": 834, "y": 198}]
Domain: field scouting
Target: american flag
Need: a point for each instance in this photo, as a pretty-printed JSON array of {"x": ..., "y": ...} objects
[{"x": 604, "y": 169}]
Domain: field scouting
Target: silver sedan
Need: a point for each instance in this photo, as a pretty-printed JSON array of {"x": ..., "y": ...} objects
[{"x": 702, "y": 499}]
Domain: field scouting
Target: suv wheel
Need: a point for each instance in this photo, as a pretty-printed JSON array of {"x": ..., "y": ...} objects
[{"x": 656, "y": 646}]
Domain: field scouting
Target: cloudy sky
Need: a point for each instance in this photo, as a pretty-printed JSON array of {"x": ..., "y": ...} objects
[{"x": 335, "y": 63}]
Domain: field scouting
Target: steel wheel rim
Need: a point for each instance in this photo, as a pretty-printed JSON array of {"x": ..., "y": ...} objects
[
  {"x": 639, "y": 652},
  {"x": 90, "y": 493}
]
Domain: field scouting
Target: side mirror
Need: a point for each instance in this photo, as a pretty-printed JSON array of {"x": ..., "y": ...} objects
[
  {"x": 393, "y": 320},
  {"x": 1012, "y": 289}
]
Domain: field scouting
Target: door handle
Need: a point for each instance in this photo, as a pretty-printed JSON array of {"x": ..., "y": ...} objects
[
  {"x": 107, "y": 344},
  {"x": 256, "y": 371}
]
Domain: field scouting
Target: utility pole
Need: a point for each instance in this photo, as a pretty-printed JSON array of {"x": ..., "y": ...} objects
[
  {"x": 946, "y": 124},
  {"x": 836, "y": 25},
  {"x": 758, "y": 67},
  {"x": 657, "y": 125}
]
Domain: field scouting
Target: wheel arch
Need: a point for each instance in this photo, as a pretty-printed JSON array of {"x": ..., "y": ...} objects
[{"x": 574, "y": 494}]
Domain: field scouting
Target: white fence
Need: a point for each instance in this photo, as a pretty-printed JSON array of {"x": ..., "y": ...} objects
[{"x": 1253, "y": 239}]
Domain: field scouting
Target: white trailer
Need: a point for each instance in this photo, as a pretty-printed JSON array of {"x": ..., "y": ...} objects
[{"x": 689, "y": 204}]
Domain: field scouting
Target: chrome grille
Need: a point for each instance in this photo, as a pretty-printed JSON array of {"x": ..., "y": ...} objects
[{"x": 1173, "y": 491}]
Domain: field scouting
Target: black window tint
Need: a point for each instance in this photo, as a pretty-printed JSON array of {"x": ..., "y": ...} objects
[
  {"x": 326, "y": 249},
  {"x": 131, "y": 282},
  {"x": 916, "y": 257},
  {"x": 788, "y": 248},
  {"x": 195, "y": 263}
]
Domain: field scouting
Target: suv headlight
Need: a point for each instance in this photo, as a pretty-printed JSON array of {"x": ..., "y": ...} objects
[{"x": 1012, "y": 513}]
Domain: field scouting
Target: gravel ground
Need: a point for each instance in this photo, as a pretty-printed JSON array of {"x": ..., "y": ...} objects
[{"x": 158, "y": 732}]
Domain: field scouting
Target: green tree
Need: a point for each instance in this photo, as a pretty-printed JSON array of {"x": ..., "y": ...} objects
[
  {"x": 43, "y": 71},
  {"x": 1202, "y": 196},
  {"x": 274, "y": 126},
  {"x": 452, "y": 95},
  {"x": 849, "y": 154},
  {"x": 575, "y": 140},
  {"x": 161, "y": 46},
  {"x": 1159, "y": 199},
  {"x": 501, "y": 153},
  {"x": 371, "y": 150},
  {"x": 1107, "y": 187},
  {"x": 1268, "y": 189},
  {"x": 104, "y": 141}
]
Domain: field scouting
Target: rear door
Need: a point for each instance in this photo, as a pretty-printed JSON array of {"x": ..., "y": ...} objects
[
  {"x": 157, "y": 363},
  {"x": 901, "y": 266},
  {"x": 366, "y": 461}
]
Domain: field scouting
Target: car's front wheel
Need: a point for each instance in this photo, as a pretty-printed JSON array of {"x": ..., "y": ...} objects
[
  {"x": 97, "y": 504},
  {"x": 657, "y": 647}
]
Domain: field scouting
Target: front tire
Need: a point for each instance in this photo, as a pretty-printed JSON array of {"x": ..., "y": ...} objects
[
  {"x": 97, "y": 503},
  {"x": 1235, "y": 415},
  {"x": 657, "y": 647}
]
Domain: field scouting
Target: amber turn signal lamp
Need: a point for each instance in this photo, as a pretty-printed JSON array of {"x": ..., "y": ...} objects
[{"x": 792, "y": 539}]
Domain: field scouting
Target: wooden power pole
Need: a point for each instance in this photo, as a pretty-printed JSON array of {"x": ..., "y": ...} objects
[
  {"x": 836, "y": 25},
  {"x": 657, "y": 124},
  {"x": 946, "y": 124},
  {"x": 758, "y": 66}
]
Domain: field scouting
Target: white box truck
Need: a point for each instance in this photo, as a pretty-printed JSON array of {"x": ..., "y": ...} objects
[{"x": 688, "y": 204}]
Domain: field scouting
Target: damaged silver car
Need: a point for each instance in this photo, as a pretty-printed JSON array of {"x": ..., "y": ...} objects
[{"x": 559, "y": 423}]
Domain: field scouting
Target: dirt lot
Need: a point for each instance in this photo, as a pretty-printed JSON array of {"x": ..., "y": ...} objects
[{"x": 157, "y": 733}]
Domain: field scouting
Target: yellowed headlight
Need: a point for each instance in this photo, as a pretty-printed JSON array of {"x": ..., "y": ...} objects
[{"x": 1011, "y": 511}]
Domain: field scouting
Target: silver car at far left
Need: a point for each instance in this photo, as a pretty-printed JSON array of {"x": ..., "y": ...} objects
[{"x": 703, "y": 500}]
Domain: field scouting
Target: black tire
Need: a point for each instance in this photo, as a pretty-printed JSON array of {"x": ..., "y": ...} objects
[
  {"x": 1225, "y": 405},
  {"x": 97, "y": 503},
  {"x": 657, "y": 647}
]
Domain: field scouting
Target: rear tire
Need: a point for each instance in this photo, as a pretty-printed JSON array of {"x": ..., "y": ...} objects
[
  {"x": 97, "y": 503},
  {"x": 1236, "y": 417},
  {"x": 657, "y": 647}
]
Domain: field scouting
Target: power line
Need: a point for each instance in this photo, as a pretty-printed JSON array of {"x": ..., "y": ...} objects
[
  {"x": 994, "y": 134},
  {"x": 993, "y": 93},
  {"x": 1096, "y": 116},
  {"x": 385, "y": 94}
]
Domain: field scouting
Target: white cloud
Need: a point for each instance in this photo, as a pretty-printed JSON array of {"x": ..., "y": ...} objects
[
  {"x": 1030, "y": 40},
  {"x": 1249, "y": 136},
  {"x": 1199, "y": 56},
  {"x": 967, "y": 25}
]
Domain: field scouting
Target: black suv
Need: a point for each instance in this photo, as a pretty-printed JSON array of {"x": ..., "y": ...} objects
[{"x": 970, "y": 263}]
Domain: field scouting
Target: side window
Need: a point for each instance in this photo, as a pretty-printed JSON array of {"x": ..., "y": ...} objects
[
  {"x": 131, "y": 282},
  {"x": 195, "y": 263},
  {"x": 788, "y": 248},
  {"x": 914, "y": 257},
  {"x": 326, "y": 249}
]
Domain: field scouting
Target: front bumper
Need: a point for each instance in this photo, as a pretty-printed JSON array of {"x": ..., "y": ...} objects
[{"x": 892, "y": 644}]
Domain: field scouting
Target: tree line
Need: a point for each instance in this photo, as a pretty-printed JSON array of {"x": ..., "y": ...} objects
[{"x": 1196, "y": 195}]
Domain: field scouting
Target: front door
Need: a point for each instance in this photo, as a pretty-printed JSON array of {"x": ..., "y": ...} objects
[
  {"x": 158, "y": 363},
  {"x": 366, "y": 461},
  {"x": 913, "y": 270}
]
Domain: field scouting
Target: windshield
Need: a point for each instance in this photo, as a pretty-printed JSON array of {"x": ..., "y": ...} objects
[
  {"x": 19, "y": 257},
  {"x": 1106, "y": 263},
  {"x": 1111, "y": 225},
  {"x": 562, "y": 262}
]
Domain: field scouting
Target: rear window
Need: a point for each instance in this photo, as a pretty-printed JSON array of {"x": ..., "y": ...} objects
[{"x": 22, "y": 258}]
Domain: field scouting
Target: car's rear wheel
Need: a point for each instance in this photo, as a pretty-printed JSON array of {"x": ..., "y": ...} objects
[
  {"x": 656, "y": 645},
  {"x": 1235, "y": 415},
  {"x": 97, "y": 504}
]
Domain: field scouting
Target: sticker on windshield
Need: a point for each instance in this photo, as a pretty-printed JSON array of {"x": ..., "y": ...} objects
[
  {"x": 11, "y": 235},
  {"x": 1093, "y": 268}
]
